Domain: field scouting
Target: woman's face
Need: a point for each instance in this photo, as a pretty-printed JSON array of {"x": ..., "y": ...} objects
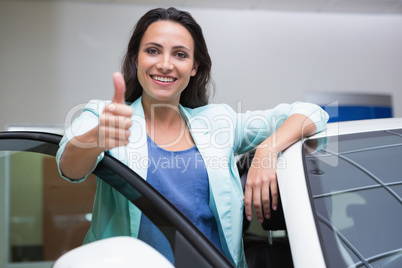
[{"x": 165, "y": 62}]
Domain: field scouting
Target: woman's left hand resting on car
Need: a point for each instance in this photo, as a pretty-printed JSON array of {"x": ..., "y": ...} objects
[{"x": 261, "y": 180}]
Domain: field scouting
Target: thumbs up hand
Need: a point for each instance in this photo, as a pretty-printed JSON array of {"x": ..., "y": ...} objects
[
  {"x": 115, "y": 121},
  {"x": 119, "y": 88}
]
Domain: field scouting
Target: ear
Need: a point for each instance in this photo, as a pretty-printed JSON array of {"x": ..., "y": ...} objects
[{"x": 195, "y": 69}]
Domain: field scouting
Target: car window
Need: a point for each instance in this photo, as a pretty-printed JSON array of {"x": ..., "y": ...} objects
[
  {"x": 355, "y": 184},
  {"x": 48, "y": 216},
  {"x": 43, "y": 217}
]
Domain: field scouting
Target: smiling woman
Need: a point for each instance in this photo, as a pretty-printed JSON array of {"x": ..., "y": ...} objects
[
  {"x": 196, "y": 93},
  {"x": 160, "y": 111},
  {"x": 165, "y": 62}
]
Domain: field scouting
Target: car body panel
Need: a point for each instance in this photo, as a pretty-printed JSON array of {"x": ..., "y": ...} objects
[
  {"x": 304, "y": 243},
  {"x": 304, "y": 237},
  {"x": 359, "y": 126}
]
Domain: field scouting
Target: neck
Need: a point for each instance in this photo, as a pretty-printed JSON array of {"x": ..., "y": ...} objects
[
  {"x": 166, "y": 127},
  {"x": 161, "y": 113}
]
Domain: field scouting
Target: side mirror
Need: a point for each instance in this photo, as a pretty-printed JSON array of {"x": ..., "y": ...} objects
[{"x": 116, "y": 252}]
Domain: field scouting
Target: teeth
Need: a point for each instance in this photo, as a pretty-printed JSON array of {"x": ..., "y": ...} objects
[{"x": 163, "y": 79}]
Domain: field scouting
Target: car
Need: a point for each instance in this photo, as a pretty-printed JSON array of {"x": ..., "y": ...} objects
[
  {"x": 342, "y": 201},
  {"x": 340, "y": 196}
]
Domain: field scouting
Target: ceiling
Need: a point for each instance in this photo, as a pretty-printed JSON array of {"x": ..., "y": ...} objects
[{"x": 338, "y": 6}]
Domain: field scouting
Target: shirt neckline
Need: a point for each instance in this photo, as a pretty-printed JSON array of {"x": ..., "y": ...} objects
[{"x": 167, "y": 151}]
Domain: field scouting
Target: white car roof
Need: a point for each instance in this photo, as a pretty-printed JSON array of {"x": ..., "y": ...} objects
[{"x": 359, "y": 126}]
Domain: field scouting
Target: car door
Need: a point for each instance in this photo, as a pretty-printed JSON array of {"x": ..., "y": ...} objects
[{"x": 37, "y": 201}]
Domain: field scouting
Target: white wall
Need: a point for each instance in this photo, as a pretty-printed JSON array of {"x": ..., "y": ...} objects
[{"x": 54, "y": 56}]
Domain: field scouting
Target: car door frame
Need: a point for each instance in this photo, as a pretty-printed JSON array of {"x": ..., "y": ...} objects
[{"x": 191, "y": 246}]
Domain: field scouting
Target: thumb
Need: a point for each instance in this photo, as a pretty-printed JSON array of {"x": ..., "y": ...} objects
[{"x": 119, "y": 88}]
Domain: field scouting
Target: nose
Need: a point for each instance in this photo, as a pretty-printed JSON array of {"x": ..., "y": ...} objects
[{"x": 165, "y": 65}]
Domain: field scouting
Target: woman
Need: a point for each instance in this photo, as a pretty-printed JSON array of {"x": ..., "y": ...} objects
[{"x": 166, "y": 74}]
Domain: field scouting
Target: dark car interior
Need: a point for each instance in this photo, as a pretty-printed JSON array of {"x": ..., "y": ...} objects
[{"x": 268, "y": 250}]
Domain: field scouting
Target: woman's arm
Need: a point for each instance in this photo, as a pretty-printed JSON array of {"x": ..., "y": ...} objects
[
  {"x": 78, "y": 159},
  {"x": 262, "y": 180}
]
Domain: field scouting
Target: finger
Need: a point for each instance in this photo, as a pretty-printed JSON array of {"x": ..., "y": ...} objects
[
  {"x": 106, "y": 139},
  {"x": 248, "y": 202},
  {"x": 257, "y": 202},
  {"x": 274, "y": 193},
  {"x": 120, "y": 122},
  {"x": 119, "y": 88},
  {"x": 266, "y": 200},
  {"x": 117, "y": 134},
  {"x": 113, "y": 143},
  {"x": 120, "y": 109},
  {"x": 113, "y": 137}
]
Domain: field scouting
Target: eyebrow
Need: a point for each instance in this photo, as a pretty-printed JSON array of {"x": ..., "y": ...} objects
[{"x": 160, "y": 46}]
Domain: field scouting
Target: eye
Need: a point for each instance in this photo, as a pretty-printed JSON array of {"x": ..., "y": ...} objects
[
  {"x": 181, "y": 55},
  {"x": 152, "y": 51}
]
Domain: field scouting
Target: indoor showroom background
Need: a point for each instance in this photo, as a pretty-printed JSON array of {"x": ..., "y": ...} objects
[{"x": 57, "y": 55}]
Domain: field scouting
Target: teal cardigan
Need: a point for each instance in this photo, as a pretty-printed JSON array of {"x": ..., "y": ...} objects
[{"x": 219, "y": 134}]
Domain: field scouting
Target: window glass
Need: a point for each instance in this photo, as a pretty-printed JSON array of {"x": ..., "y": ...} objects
[
  {"x": 355, "y": 183},
  {"x": 45, "y": 215}
]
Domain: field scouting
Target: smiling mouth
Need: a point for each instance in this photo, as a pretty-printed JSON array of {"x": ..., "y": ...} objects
[{"x": 163, "y": 79}]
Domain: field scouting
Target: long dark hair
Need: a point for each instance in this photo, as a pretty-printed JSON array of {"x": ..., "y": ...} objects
[{"x": 196, "y": 93}]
